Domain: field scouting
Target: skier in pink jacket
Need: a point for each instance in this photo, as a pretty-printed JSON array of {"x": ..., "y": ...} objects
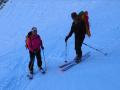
[{"x": 34, "y": 44}]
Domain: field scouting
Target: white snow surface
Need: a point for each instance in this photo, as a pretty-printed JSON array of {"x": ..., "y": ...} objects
[{"x": 52, "y": 18}]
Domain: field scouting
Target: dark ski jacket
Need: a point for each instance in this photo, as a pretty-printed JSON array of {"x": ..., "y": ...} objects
[{"x": 79, "y": 30}]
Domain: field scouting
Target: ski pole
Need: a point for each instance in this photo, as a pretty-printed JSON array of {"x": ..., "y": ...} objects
[
  {"x": 66, "y": 52},
  {"x": 44, "y": 60},
  {"x": 95, "y": 49}
]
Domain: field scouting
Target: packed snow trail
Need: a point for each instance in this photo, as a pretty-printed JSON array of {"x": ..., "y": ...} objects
[{"x": 53, "y": 21}]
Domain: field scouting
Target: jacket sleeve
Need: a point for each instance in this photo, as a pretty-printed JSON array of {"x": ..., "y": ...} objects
[
  {"x": 41, "y": 43},
  {"x": 26, "y": 45},
  {"x": 71, "y": 31},
  {"x": 29, "y": 44}
]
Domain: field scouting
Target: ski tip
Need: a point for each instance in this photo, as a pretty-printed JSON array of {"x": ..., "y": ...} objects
[
  {"x": 66, "y": 61},
  {"x": 44, "y": 72},
  {"x": 62, "y": 71},
  {"x": 30, "y": 78},
  {"x": 106, "y": 54},
  {"x": 60, "y": 66}
]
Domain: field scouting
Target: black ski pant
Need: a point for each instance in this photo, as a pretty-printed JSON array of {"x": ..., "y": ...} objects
[
  {"x": 32, "y": 59},
  {"x": 78, "y": 46}
]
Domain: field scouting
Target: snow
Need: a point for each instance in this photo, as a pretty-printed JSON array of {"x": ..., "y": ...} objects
[{"x": 52, "y": 17}]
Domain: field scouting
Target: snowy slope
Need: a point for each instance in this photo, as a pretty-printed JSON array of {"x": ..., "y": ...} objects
[{"x": 52, "y": 17}]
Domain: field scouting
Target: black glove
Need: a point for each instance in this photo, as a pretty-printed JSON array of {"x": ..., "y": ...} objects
[
  {"x": 42, "y": 47},
  {"x": 66, "y": 39}
]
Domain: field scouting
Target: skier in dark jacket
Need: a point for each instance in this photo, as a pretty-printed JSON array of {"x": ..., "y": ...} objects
[{"x": 79, "y": 30}]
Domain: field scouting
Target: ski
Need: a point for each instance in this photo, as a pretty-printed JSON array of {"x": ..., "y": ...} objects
[
  {"x": 66, "y": 64},
  {"x": 87, "y": 55},
  {"x": 68, "y": 67},
  {"x": 30, "y": 76}
]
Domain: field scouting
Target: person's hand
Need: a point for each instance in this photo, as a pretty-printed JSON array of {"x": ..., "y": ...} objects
[
  {"x": 42, "y": 47},
  {"x": 66, "y": 39}
]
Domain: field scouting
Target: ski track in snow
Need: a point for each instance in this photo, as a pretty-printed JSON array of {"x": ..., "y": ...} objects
[
  {"x": 14, "y": 63},
  {"x": 16, "y": 75}
]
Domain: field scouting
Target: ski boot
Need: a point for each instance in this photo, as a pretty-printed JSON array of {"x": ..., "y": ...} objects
[
  {"x": 42, "y": 70},
  {"x": 30, "y": 75},
  {"x": 78, "y": 59}
]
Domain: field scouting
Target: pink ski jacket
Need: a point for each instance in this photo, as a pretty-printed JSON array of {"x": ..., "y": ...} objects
[{"x": 34, "y": 43}]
